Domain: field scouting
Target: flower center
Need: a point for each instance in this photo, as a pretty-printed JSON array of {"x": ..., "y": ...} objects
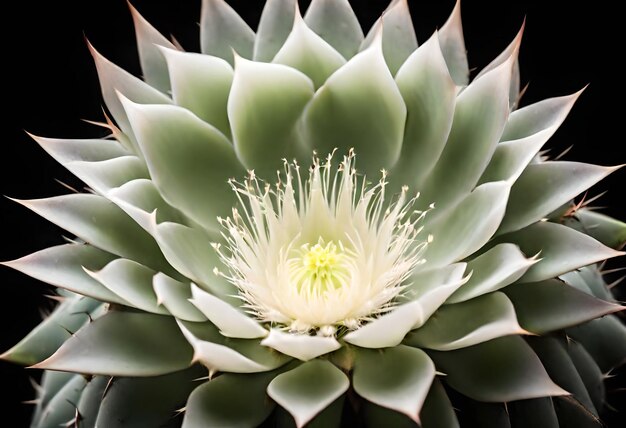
[{"x": 321, "y": 253}]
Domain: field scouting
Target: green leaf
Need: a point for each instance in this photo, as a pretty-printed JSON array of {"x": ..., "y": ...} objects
[
  {"x": 61, "y": 407},
  {"x": 231, "y": 321},
  {"x": 100, "y": 223},
  {"x": 609, "y": 231},
  {"x": 552, "y": 305},
  {"x": 308, "y": 389},
  {"x": 554, "y": 357},
  {"x": 300, "y": 346},
  {"x": 589, "y": 280},
  {"x": 536, "y": 413},
  {"x": 222, "y": 30},
  {"x": 437, "y": 411},
  {"x": 51, "y": 384},
  {"x": 274, "y": 28},
  {"x": 500, "y": 266},
  {"x": 132, "y": 282},
  {"x": 453, "y": 47},
  {"x": 147, "y": 402},
  {"x": 90, "y": 399},
  {"x": 560, "y": 248},
  {"x": 479, "y": 117},
  {"x": 105, "y": 175},
  {"x": 589, "y": 372},
  {"x": 188, "y": 159},
  {"x": 360, "y": 107},
  {"x": 70, "y": 315},
  {"x": 572, "y": 414},
  {"x": 63, "y": 266},
  {"x": 264, "y": 105},
  {"x": 175, "y": 295},
  {"x": 604, "y": 339},
  {"x": 465, "y": 227},
  {"x": 152, "y": 62},
  {"x": 93, "y": 150},
  {"x": 230, "y": 400},
  {"x": 201, "y": 83},
  {"x": 501, "y": 370},
  {"x": 306, "y": 51},
  {"x": 123, "y": 344},
  {"x": 398, "y": 34},
  {"x": 396, "y": 378},
  {"x": 469, "y": 323},
  {"x": 430, "y": 96},
  {"x": 544, "y": 187},
  {"x": 337, "y": 24}
]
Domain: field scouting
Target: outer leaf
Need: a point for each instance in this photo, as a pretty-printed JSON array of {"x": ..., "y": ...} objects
[
  {"x": 399, "y": 39},
  {"x": 589, "y": 372},
  {"x": 187, "y": 159},
  {"x": 175, "y": 295},
  {"x": 544, "y": 187},
  {"x": 572, "y": 414},
  {"x": 61, "y": 408},
  {"x": 589, "y": 279},
  {"x": 437, "y": 411},
  {"x": 147, "y": 402},
  {"x": 220, "y": 402},
  {"x": 605, "y": 229},
  {"x": 105, "y": 175},
  {"x": 536, "y": 413},
  {"x": 51, "y": 384},
  {"x": 500, "y": 266},
  {"x": 265, "y": 103},
  {"x": 359, "y": 107},
  {"x": 552, "y": 305},
  {"x": 47, "y": 337},
  {"x": 300, "y": 346},
  {"x": 276, "y": 23},
  {"x": 468, "y": 323},
  {"x": 62, "y": 266},
  {"x": 201, "y": 83},
  {"x": 88, "y": 405},
  {"x": 306, "y": 51},
  {"x": 503, "y": 369},
  {"x": 222, "y": 30},
  {"x": 123, "y": 344},
  {"x": 64, "y": 150},
  {"x": 561, "y": 249},
  {"x": 307, "y": 390},
  {"x": 152, "y": 62},
  {"x": 472, "y": 139},
  {"x": 604, "y": 339},
  {"x": 396, "y": 378},
  {"x": 453, "y": 47},
  {"x": 230, "y": 321},
  {"x": 336, "y": 23},
  {"x": 430, "y": 95}
]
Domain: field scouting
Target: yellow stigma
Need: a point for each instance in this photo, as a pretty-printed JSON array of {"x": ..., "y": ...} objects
[{"x": 322, "y": 267}]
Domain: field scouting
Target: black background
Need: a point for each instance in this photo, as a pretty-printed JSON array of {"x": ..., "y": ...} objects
[{"x": 49, "y": 84}]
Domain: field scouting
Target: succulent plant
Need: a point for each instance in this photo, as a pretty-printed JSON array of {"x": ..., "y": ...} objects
[{"x": 311, "y": 225}]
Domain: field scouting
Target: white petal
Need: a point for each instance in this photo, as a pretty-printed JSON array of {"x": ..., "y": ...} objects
[{"x": 300, "y": 346}]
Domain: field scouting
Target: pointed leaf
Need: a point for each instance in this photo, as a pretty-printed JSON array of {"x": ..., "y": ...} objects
[
  {"x": 544, "y": 187},
  {"x": 335, "y": 22},
  {"x": 604, "y": 339},
  {"x": 453, "y": 47},
  {"x": 201, "y": 83},
  {"x": 64, "y": 150},
  {"x": 187, "y": 159},
  {"x": 561, "y": 249},
  {"x": 132, "y": 282},
  {"x": 609, "y": 231},
  {"x": 123, "y": 344},
  {"x": 300, "y": 346},
  {"x": 174, "y": 296},
  {"x": 396, "y": 378},
  {"x": 308, "y": 389},
  {"x": 265, "y": 103},
  {"x": 501, "y": 370},
  {"x": 536, "y": 413},
  {"x": 472, "y": 139},
  {"x": 70, "y": 315},
  {"x": 61, "y": 408},
  {"x": 147, "y": 402},
  {"x": 62, "y": 266},
  {"x": 222, "y": 30},
  {"x": 572, "y": 414},
  {"x": 100, "y": 223},
  {"x": 88, "y": 405},
  {"x": 231, "y": 321},
  {"x": 220, "y": 402},
  {"x": 274, "y": 27},
  {"x": 437, "y": 411},
  {"x": 360, "y": 107},
  {"x": 105, "y": 175},
  {"x": 306, "y": 51},
  {"x": 589, "y": 372},
  {"x": 152, "y": 62},
  {"x": 500, "y": 266},
  {"x": 589, "y": 279},
  {"x": 552, "y": 305},
  {"x": 466, "y": 324},
  {"x": 466, "y": 227},
  {"x": 399, "y": 39},
  {"x": 430, "y": 96}
]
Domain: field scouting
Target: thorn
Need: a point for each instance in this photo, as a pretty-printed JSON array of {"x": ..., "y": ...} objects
[
  {"x": 108, "y": 385},
  {"x": 610, "y": 271},
  {"x": 67, "y": 186},
  {"x": 616, "y": 282},
  {"x": 59, "y": 299},
  {"x": 564, "y": 152}
]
